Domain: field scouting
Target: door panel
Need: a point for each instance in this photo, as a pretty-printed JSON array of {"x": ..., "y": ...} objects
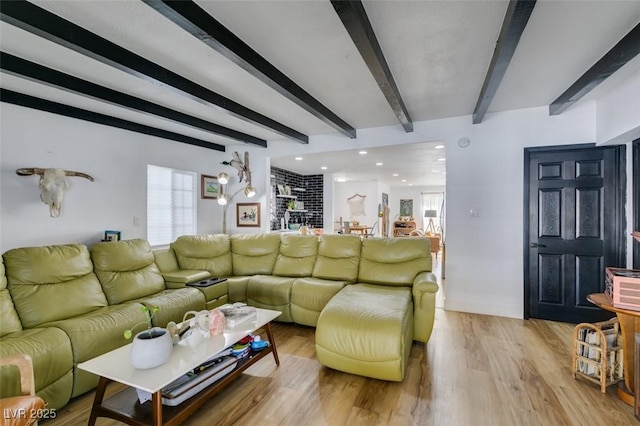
[{"x": 574, "y": 205}]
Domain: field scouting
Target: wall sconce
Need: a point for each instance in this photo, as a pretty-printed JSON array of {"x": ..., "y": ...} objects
[{"x": 223, "y": 180}]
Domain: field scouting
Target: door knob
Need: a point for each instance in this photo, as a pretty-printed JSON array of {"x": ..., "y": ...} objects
[{"x": 535, "y": 245}]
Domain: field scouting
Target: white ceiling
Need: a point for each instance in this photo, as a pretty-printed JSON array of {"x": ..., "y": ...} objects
[{"x": 438, "y": 52}]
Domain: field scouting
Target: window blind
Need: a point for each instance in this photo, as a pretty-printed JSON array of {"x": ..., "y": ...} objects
[{"x": 171, "y": 204}]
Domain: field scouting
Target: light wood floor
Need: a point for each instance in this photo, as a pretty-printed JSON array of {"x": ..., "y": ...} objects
[{"x": 476, "y": 370}]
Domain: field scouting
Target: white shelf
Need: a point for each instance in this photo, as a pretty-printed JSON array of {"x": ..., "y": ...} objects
[
  {"x": 294, "y": 210},
  {"x": 286, "y": 196},
  {"x": 299, "y": 189}
]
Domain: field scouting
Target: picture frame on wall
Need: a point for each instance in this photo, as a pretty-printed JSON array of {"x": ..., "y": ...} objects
[
  {"x": 112, "y": 235},
  {"x": 248, "y": 215},
  {"x": 209, "y": 187},
  {"x": 406, "y": 208}
]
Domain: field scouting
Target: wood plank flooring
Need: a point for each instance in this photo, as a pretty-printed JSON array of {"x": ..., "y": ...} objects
[{"x": 476, "y": 370}]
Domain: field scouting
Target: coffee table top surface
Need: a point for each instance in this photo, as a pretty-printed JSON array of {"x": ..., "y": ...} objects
[{"x": 116, "y": 365}]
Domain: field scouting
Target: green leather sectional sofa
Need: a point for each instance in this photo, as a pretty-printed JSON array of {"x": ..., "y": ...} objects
[{"x": 65, "y": 304}]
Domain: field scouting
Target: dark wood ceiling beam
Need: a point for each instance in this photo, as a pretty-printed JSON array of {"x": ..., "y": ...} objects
[
  {"x": 16, "y": 98},
  {"x": 624, "y": 51},
  {"x": 355, "y": 20},
  {"x": 26, "y": 69},
  {"x": 193, "y": 19},
  {"x": 51, "y": 27},
  {"x": 514, "y": 23}
]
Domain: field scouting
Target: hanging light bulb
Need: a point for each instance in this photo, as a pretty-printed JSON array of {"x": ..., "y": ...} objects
[
  {"x": 222, "y": 200},
  {"x": 223, "y": 178},
  {"x": 249, "y": 191}
]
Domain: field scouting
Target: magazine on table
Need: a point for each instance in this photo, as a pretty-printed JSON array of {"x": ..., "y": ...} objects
[{"x": 238, "y": 313}]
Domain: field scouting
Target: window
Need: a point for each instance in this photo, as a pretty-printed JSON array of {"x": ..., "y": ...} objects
[{"x": 171, "y": 204}]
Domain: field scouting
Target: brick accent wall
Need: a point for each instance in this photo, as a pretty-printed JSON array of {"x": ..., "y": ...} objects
[{"x": 307, "y": 188}]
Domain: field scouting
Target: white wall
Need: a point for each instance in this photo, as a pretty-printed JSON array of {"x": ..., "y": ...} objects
[
  {"x": 618, "y": 111},
  {"x": 345, "y": 190},
  {"x": 116, "y": 158}
]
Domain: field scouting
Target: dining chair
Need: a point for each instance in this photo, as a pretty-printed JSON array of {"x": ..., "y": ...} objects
[{"x": 372, "y": 231}]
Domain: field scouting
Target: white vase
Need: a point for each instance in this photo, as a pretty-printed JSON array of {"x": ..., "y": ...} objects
[{"x": 151, "y": 348}]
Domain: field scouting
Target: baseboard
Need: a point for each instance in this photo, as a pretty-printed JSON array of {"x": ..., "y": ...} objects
[{"x": 475, "y": 307}]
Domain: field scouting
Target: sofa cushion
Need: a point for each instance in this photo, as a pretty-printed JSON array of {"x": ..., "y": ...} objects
[
  {"x": 309, "y": 296},
  {"x": 270, "y": 292},
  {"x": 204, "y": 253},
  {"x": 96, "y": 333},
  {"x": 126, "y": 269},
  {"x": 394, "y": 261},
  {"x": 9, "y": 321},
  {"x": 237, "y": 289},
  {"x": 50, "y": 351},
  {"x": 173, "y": 304},
  {"x": 338, "y": 257},
  {"x": 367, "y": 330},
  {"x": 297, "y": 255},
  {"x": 254, "y": 254},
  {"x": 62, "y": 286}
]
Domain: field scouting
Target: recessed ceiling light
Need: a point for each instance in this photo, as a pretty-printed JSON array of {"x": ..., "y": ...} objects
[
  {"x": 441, "y": 159},
  {"x": 341, "y": 179},
  {"x": 435, "y": 171},
  {"x": 395, "y": 175},
  {"x": 362, "y": 152},
  {"x": 298, "y": 158},
  {"x": 410, "y": 184},
  {"x": 379, "y": 164},
  {"x": 439, "y": 146},
  {"x": 403, "y": 180},
  {"x": 323, "y": 167}
]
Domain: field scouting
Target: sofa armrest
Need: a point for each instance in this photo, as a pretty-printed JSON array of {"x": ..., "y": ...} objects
[
  {"x": 424, "y": 305},
  {"x": 180, "y": 277}
]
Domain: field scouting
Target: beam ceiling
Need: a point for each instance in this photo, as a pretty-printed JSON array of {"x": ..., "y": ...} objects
[
  {"x": 51, "y": 27},
  {"x": 193, "y": 19},
  {"x": 515, "y": 21},
  {"x": 624, "y": 51},
  {"x": 356, "y": 22},
  {"x": 39, "y": 73},
  {"x": 16, "y": 98}
]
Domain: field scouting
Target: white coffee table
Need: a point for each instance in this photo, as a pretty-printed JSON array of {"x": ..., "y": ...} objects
[{"x": 116, "y": 366}]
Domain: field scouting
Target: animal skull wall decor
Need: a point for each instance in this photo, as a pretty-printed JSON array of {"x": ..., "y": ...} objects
[{"x": 53, "y": 183}]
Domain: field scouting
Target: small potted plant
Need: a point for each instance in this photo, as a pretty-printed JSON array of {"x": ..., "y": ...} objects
[{"x": 151, "y": 347}]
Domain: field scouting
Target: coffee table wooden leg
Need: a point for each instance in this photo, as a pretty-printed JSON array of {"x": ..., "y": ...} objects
[
  {"x": 97, "y": 400},
  {"x": 273, "y": 342},
  {"x": 156, "y": 400}
]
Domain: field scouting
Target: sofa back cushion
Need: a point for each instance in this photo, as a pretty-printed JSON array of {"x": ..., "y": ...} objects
[
  {"x": 9, "y": 321},
  {"x": 394, "y": 261},
  {"x": 52, "y": 283},
  {"x": 205, "y": 253},
  {"x": 297, "y": 255},
  {"x": 126, "y": 269},
  {"x": 338, "y": 257},
  {"x": 254, "y": 254}
]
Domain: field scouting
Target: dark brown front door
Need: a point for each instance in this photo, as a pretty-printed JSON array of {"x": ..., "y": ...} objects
[{"x": 574, "y": 228}]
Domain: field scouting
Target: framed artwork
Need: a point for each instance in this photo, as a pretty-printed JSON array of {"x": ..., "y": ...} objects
[
  {"x": 406, "y": 208},
  {"x": 248, "y": 214},
  {"x": 112, "y": 235},
  {"x": 209, "y": 187}
]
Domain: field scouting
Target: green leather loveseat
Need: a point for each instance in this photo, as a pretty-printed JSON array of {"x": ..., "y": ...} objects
[{"x": 65, "y": 304}]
